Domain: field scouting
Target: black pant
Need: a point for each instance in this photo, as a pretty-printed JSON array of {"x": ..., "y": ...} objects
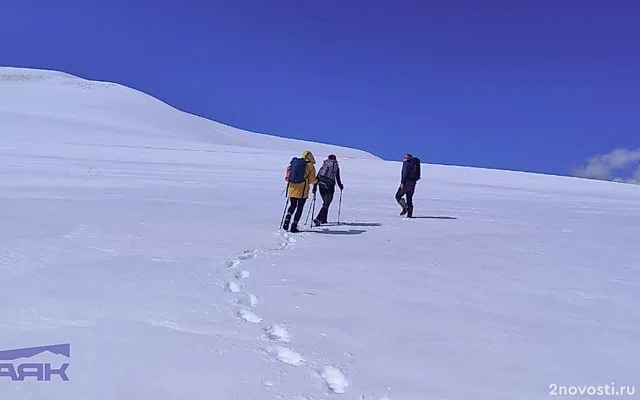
[
  {"x": 327, "y": 198},
  {"x": 297, "y": 205},
  {"x": 408, "y": 191}
]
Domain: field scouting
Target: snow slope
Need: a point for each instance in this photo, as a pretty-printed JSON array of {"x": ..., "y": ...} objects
[
  {"x": 148, "y": 240},
  {"x": 89, "y": 112}
]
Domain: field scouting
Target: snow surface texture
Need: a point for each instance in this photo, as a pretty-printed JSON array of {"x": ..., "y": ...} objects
[{"x": 148, "y": 239}]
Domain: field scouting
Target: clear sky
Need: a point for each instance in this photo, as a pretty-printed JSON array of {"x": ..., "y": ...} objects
[{"x": 526, "y": 85}]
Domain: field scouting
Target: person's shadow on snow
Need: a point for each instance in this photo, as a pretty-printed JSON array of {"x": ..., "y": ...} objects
[
  {"x": 359, "y": 224},
  {"x": 328, "y": 231},
  {"x": 433, "y": 217}
]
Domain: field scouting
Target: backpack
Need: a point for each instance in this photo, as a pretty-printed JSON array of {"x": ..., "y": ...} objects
[
  {"x": 414, "y": 171},
  {"x": 297, "y": 170},
  {"x": 328, "y": 171}
]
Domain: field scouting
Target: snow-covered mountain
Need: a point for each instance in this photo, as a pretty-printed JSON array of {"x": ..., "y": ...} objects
[
  {"x": 148, "y": 240},
  {"x": 88, "y": 112}
]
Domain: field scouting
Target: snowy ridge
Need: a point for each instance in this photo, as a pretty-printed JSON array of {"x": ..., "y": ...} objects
[
  {"x": 151, "y": 244},
  {"x": 113, "y": 114}
]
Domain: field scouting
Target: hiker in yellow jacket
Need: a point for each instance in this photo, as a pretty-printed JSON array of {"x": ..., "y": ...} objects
[{"x": 300, "y": 175}]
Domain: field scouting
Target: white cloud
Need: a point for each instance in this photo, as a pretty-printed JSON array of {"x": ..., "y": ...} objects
[
  {"x": 636, "y": 175},
  {"x": 606, "y": 166},
  {"x": 620, "y": 158}
]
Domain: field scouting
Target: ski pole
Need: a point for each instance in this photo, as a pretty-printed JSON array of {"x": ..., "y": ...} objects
[
  {"x": 339, "y": 206},
  {"x": 313, "y": 208},
  {"x": 286, "y": 203},
  {"x": 306, "y": 221}
]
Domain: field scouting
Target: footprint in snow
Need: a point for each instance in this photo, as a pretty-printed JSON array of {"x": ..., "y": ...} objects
[
  {"x": 277, "y": 333},
  {"x": 249, "y": 316},
  {"x": 247, "y": 254},
  {"x": 233, "y": 287},
  {"x": 286, "y": 355},
  {"x": 288, "y": 239},
  {"x": 232, "y": 263},
  {"x": 334, "y": 378},
  {"x": 242, "y": 274},
  {"x": 249, "y": 300}
]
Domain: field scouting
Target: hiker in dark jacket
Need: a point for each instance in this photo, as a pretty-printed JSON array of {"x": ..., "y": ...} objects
[
  {"x": 408, "y": 182},
  {"x": 328, "y": 176}
]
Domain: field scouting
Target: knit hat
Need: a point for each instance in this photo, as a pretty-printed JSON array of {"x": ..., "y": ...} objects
[{"x": 332, "y": 157}]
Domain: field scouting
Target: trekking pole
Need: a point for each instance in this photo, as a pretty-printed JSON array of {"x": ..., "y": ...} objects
[
  {"x": 313, "y": 208},
  {"x": 286, "y": 203},
  {"x": 339, "y": 206}
]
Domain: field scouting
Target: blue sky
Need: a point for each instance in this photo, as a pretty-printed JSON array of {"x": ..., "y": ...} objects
[{"x": 526, "y": 85}]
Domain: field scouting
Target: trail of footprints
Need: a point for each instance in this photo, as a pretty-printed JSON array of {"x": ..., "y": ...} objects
[{"x": 278, "y": 334}]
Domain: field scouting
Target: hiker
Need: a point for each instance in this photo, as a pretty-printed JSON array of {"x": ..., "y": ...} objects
[
  {"x": 328, "y": 176},
  {"x": 409, "y": 179},
  {"x": 300, "y": 175}
]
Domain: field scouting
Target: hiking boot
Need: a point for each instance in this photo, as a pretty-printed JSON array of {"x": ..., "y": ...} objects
[
  {"x": 294, "y": 228},
  {"x": 316, "y": 222},
  {"x": 410, "y": 212},
  {"x": 322, "y": 217},
  {"x": 403, "y": 204},
  {"x": 285, "y": 225}
]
